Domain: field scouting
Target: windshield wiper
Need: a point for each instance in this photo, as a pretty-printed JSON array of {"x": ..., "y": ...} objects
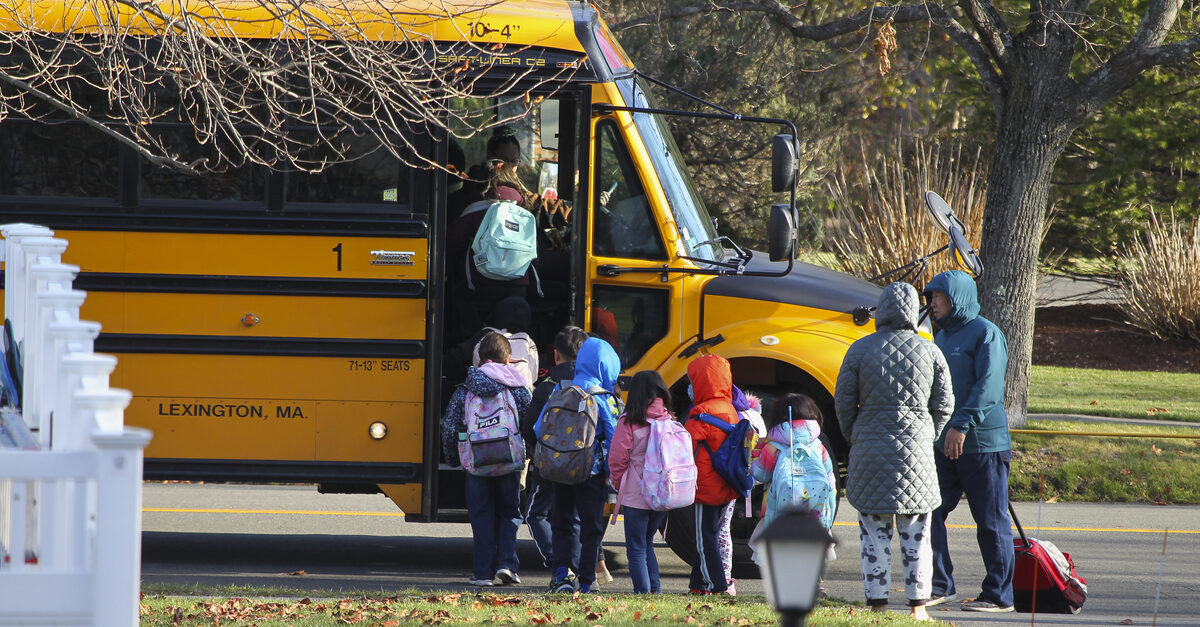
[{"x": 743, "y": 255}]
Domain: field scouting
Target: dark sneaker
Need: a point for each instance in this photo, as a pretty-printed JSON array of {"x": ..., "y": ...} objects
[
  {"x": 984, "y": 606},
  {"x": 939, "y": 598},
  {"x": 506, "y": 577},
  {"x": 566, "y": 584}
]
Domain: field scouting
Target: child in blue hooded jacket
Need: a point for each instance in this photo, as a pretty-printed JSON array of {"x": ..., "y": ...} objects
[{"x": 596, "y": 365}]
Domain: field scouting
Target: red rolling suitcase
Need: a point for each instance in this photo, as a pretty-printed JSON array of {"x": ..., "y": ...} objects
[{"x": 1044, "y": 578}]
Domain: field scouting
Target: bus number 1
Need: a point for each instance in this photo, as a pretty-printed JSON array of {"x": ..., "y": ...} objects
[{"x": 338, "y": 249}]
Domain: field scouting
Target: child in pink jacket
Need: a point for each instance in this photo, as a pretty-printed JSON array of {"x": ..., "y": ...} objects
[{"x": 648, "y": 400}]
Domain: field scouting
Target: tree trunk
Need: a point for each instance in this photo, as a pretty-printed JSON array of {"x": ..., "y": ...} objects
[{"x": 1032, "y": 132}]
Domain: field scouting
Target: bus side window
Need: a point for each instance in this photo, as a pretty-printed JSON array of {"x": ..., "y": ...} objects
[
  {"x": 631, "y": 319},
  {"x": 623, "y": 224}
]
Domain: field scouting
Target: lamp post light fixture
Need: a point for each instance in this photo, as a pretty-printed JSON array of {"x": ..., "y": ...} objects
[{"x": 793, "y": 547}]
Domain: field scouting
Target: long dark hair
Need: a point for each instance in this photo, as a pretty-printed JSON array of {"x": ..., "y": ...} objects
[
  {"x": 646, "y": 386},
  {"x": 803, "y": 408}
]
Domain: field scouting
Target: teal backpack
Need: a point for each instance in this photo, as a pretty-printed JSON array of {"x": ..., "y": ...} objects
[
  {"x": 506, "y": 242},
  {"x": 800, "y": 481}
]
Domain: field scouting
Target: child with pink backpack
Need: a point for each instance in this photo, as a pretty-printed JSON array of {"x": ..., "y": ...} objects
[
  {"x": 650, "y": 463},
  {"x": 481, "y": 432}
]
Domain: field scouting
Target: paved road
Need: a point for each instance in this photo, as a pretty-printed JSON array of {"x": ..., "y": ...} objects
[
  {"x": 264, "y": 535},
  {"x": 1057, "y": 290}
]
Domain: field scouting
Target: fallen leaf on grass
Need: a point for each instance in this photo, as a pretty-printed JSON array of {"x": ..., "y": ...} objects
[
  {"x": 1157, "y": 410},
  {"x": 1155, "y": 450},
  {"x": 391, "y": 623},
  {"x": 593, "y": 616},
  {"x": 297, "y": 573},
  {"x": 1094, "y": 403}
]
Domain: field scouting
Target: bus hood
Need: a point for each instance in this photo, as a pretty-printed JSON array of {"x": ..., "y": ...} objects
[{"x": 806, "y": 285}]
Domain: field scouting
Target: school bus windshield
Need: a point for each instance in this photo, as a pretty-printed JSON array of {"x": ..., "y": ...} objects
[{"x": 691, "y": 216}]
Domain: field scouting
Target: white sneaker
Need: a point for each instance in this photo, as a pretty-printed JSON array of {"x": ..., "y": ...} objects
[
  {"x": 938, "y": 599},
  {"x": 481, "y": 582}
]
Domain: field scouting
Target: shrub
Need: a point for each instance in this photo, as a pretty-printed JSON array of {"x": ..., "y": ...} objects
[
  {"x": 1161, "y": 279},
  {"x": 880, "y": 221}
]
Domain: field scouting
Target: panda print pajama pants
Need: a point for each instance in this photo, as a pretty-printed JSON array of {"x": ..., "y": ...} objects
[{"x": 916, "y": 556}]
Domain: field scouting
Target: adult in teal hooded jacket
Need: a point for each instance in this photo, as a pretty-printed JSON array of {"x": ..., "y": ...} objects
[{"x": 974, "y": 451}]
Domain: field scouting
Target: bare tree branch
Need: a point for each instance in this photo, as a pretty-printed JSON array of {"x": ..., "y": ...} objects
[
  {"x": 984, "y": 59},
  {"x": 294, "y": 84},
  {"x": 993, "y": 32},
  {"x": 1144, "y": 51}
]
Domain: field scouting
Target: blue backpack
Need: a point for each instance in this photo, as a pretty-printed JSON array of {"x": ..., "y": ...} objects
[
  {"x": 731, "y": 460},
  {"x": 506, "y": 242}
]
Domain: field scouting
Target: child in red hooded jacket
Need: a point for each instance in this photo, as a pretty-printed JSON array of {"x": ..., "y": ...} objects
[{"x": 712, "y": 393}]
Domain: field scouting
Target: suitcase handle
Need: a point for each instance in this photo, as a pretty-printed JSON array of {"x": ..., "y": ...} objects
[{"x": 1020, "y": 530}]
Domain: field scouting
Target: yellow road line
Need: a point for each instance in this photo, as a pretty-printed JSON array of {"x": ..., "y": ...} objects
[
  {"x": 181, "y": 510},
  {"x": 1093, "y": 529}
]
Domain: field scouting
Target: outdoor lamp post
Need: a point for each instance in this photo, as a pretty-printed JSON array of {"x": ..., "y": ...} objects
[{"x": 793, "y": 548}]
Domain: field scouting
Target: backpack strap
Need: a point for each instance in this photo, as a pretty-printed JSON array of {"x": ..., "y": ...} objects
[{"x": 714, "y": 421}]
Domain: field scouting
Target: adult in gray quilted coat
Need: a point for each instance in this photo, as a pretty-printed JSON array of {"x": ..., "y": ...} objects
[{"x": 893, "y": 398}]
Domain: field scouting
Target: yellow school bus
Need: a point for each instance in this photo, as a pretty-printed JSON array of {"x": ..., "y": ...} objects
[{"x": 279, "y": 326}]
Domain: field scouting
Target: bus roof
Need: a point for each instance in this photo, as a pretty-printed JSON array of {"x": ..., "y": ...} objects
[{"x": 541, "y": 23}]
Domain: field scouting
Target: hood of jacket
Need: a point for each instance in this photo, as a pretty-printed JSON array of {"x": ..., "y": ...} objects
[
  {"x": 490, "y": 378},
  {"x": 596, "y": 364},
  {"x": 898, "y": 307},
  {"x": 712, "y": 387},
  {"x": 805, "y": 432},
  {"x": 964, "y": 296},
  {"x": 657, "y": 411}
]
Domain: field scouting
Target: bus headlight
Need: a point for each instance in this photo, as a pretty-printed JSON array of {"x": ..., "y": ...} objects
[{"x": 377, "y": 430}]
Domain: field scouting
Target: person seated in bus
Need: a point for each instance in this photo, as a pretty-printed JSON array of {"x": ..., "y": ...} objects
[
  {"x": 474, "y": 294},
  {"x": 493, "y": 496}
]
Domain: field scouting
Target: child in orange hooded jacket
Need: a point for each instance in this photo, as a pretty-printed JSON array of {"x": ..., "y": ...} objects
[{"x": 712, "y": 393}]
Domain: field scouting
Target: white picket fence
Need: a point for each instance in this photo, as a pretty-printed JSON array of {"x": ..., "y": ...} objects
[{"x": 70, "y": 470}]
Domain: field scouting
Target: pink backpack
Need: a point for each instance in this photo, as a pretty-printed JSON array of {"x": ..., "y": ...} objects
[
  {"x": 492, "y": 445},
  {"x": 669, "y": 475}
]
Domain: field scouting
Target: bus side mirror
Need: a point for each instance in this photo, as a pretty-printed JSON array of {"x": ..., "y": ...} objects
[
  {"x": 783, "y": 163},
  {"x": 781, "y": 234}
]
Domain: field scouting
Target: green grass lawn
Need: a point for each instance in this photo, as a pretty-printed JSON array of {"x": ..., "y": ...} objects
[
  {"x": 1116, "y": 393},
  {"x": 491, "y": 607},
  {"x": 1142, "y": 467}
]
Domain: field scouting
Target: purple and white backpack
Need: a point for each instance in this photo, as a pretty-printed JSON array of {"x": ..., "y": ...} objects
[
  {"x": 669, "y": 476},
  {"x": 492, "y": 445}
]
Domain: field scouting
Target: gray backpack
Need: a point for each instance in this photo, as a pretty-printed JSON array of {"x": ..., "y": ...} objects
[{"x": 566, "y": 450}]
